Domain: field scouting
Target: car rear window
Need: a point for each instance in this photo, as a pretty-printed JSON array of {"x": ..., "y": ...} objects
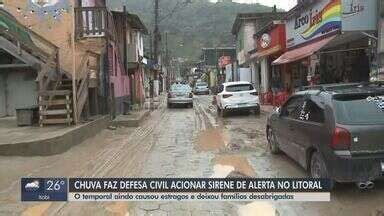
[
  {"x": 180, "y": 88},
  {"x": 201, "y": 84},
  {"x": 359, "y": 110},
  {"x": 239, "y": 88}
]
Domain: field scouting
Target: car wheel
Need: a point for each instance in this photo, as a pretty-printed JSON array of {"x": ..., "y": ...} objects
[
  {"x": 191, "y": 105},
  {"x": 257, "y": 111},
  {"x": 272, "y": 142},
  {"x": 318, "y": 168}
]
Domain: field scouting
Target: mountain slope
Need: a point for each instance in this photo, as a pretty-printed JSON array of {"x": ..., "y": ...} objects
[{"x": 199, "y": 24}]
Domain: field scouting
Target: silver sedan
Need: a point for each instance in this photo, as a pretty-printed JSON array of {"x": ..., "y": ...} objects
[{"x": 180, "y": 94}]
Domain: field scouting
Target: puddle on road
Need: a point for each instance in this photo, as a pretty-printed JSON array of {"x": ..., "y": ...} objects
[
  {"x": 239, "y": 164},
  {"x": 257, "y": 209},
  {"x": 118, "y": 208},
  {"x": 222, "y": 171},
  {"x": 211, "y": 140}
]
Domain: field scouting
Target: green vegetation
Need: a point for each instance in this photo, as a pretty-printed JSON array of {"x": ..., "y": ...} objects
[{"x": 197, "y": 25}]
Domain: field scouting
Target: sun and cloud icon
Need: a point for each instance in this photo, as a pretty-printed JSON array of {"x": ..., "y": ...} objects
[{"x": 33, "y": 185}]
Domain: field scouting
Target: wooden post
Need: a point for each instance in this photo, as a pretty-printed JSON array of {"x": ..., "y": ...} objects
[{"x": 74, "y": 84}]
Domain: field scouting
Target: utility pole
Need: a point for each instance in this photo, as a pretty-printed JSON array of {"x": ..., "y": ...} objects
[
  {"x": 156, "y": 34},
  {"x": 167, "y": 60},
  {"x": 156, "y": 30},
  {"x": 156, "y": 42},
  {"x": 380, "y": 47}
]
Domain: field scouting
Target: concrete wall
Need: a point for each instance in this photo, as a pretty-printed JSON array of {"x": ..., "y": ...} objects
[
  {"x": 17, "y": 89},
  {"x": 249, "y": 30},
  {"x": 2, "y": 95},
  {"x": 22, "y": 90}
]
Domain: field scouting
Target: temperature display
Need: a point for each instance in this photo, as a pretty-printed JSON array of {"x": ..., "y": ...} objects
[{"x": 44, "y": 189}]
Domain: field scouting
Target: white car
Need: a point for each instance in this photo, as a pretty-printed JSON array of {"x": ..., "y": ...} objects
[
  {"x": 180, "y": 94},
  {"x": 233, "y": 96},
  {"x": 201, "y": 88}
]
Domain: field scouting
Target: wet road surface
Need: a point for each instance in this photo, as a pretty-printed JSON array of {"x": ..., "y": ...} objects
[{"x": 177, "y": 142}]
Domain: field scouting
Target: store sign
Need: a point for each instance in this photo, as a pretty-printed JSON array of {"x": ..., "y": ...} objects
[
  {"x": 265, "y": 41},
  {"x": 322, "y": 18},
  {"x": 271, "y": 41},
  {"x": 359, "y": 15}
]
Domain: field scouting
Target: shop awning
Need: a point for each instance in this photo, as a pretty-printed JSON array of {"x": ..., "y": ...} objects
[{"x": 302, "y": 52}]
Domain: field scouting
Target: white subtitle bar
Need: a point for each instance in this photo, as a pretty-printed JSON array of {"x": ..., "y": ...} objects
[{"x": 135, "y": 197}]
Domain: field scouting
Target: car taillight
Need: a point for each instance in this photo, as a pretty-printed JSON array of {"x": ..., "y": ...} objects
[
  {"x": 341, "y": 139},
  {"x": 191, "y": 95},
  {"x": 255, "y": 93},
  {"x": 227, "y": 95}
]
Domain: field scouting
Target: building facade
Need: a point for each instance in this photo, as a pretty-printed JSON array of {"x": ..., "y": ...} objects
[
  {"x": 244, "y": 27},
  {"x": 272, "y": 81},
  {"x": 84, "y": 54},
  {"x": 329, "y": 41}
]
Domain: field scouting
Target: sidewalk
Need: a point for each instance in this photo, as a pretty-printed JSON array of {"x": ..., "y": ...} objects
[{"x": 45, "y": 141}]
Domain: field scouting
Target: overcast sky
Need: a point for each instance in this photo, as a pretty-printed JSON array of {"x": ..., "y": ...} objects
[{"x": 284, "y": 4}]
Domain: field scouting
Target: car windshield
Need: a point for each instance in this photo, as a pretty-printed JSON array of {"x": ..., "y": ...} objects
[
  {"x": 239, "y": 88},
  {"x": 180, "y": 88},
  {"x": 360, "y": 110}
]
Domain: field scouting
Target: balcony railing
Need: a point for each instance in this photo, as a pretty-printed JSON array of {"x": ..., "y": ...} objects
[{"x": 91, "y": 22}]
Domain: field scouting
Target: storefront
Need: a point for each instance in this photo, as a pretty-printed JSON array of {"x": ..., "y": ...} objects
[
  {"x": 329, "y": 42},
  {"x": 270, "y": 45}
]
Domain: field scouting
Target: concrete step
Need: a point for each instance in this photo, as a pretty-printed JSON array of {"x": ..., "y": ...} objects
[
  {"x": 55, "y": 92},
  {"x": 56, "y": 121},
  {"x": 54, "y": 102},
  {"x": 55, "y": 112}
]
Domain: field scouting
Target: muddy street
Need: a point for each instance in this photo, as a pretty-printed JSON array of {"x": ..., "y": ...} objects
[{"x": 177, "y": 142}]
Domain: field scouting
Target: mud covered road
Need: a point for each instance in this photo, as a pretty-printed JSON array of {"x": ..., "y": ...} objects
[{"x": 177, "y": 142}]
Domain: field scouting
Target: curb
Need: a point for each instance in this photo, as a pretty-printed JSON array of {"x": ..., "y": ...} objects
[{"x": 125, "y": 121}]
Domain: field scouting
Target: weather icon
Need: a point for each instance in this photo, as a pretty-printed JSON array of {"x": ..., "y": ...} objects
[{"x": 33, "y": 185}]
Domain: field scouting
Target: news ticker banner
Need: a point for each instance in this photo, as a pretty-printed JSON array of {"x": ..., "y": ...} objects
[{"x": 174, "y": 189}]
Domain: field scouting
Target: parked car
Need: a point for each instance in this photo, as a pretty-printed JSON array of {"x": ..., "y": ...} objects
[
  {"x": 234, "y": 96},
  {"x": 201, "y": 88},
  {"x": 180, "y": 94},
  {"x": 333, "y": 131}
]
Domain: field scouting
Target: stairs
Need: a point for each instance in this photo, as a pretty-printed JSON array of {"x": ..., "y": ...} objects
[{"x": 55, "y": 104}]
